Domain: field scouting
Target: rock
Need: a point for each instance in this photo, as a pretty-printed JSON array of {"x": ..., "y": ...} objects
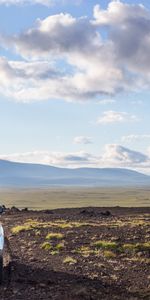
[
  {"x": 140, "y": 254},
  {"x": 106, "y": 213},
  {"x": 88, "y": 212},
  {"x": 47, "y": 211},
  {"x": 14, "y": 209},
  {"x": 25, "y": 209}
]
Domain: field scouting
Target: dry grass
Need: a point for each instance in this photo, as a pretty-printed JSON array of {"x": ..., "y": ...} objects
[
  {"x": 53, "y": 235},
  {"x": 107, "y": 245},
  {"x": 109, "y": 254},
  {"x": 20, "y": 228},
  {"x": 137, "y": 247},
  {"x": 46, "y": 246},
  {"x": 60, "y": 246},
  {"x": 69, "y": 260},
  {"x": 75, "y": 197}
]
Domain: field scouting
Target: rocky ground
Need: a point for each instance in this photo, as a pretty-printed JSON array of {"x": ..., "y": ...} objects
[{"x": 73, "y": 254}]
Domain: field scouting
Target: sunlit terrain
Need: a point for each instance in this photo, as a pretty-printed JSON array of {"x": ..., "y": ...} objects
[{"x": 75, "y": 197}]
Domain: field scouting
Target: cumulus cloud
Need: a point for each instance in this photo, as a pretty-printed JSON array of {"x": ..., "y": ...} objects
[
  {"x": 83, "y": 140},
  {"x": 56, "y": 35},
  {"x": 113, "y": 156},
  {"x": 115, "y": 117},
  {"x": 31, "y": 81},
  {"x": 90, "y": 64},
  {"x": 129, "y": 28},
  {"x": 118, "y": 13},
  {"x": 62, "y": 37},
  {"x": 116, "y": 154}
]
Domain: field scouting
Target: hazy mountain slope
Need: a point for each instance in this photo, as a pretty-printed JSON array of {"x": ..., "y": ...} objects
[{"x": 23, "y": 174}]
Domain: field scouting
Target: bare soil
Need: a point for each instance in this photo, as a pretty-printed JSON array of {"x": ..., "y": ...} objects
[{"x": 77, "y": 268}]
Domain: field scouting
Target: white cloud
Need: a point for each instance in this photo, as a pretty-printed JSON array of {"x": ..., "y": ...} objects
[
  {"x": 31, "y": 81},
  {"x": 135, "y": 137},
  {"x": 90, "y": 65},
  {"x": 71, "y": 40},
  {"x": 118, "y": 13},
  {"x": 83, "y": 140},
  {"x": 129, "y": 28},
  {"x": 72, "y": 159},
  {"x": 115, "y": 117},
  {"x": 114, "y": 156},
  {"x": 119, "y": 155},
  {"x": 34, "y": 2},
  {"x": 106, "y": 101},
  {"x": 56, "y": 35}
]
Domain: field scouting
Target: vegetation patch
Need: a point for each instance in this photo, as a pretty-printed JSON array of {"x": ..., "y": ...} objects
[
  {"x": 109, "y": 254},
  {"x": 69, "y": 260},
  {"x": 63, "y": 225},
  {"x": 46, "y": 246},
  {"x": 54, "y": 235},
  {"x": 60, "y": 246},
  {"x": 84, "y": 251},
  {"x": 54, "y": 252},
  {"x": 20, "y": 228},
  {"x": 143, "y": 246},
  {"x": 31, "y": 224},
  {"x": 54, "y": 248},
  {"x": 136, "y": 247},
  {"x": 113, "y": 246},
  {"x": 106, "y": 245}
]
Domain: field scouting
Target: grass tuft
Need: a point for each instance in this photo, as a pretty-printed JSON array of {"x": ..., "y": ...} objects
[
  {"x": 21, "y": 228},
  {"x": 109, "y": 254},
  {"x": 60, "y": 246},
  {"x": 53, "y": 235},
  {"x": 136, "y": 247},
  {"x": 69, "y": 260},
  {"x": 106, "y": 245},
  {"x": 46, "y": 246}
]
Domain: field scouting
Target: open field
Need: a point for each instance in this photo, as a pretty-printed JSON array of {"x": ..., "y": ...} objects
[
  {"x": 77, "y": 254},
  {"x": 75, "y": 197}
]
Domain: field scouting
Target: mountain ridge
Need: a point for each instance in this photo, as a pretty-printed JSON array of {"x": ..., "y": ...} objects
[{"x": 32, "y": 174}]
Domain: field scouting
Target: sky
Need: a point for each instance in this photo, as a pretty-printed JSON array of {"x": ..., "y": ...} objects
[{"x": 75, "y": 83}]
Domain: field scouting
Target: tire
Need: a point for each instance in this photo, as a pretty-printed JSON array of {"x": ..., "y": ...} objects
[{"x": 1, "y": 269}]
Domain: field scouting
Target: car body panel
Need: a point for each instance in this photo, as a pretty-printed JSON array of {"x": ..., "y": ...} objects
[{"x": 1, "y": 239}]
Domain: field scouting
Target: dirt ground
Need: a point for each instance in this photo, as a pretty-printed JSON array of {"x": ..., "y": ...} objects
[{"x": 73, "y": 254}]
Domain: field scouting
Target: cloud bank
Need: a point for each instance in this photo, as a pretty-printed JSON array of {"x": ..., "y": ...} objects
[{"x": 113, "y": 156}]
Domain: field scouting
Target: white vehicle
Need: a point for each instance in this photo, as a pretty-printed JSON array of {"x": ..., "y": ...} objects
[{"x": 1, "y": 251}]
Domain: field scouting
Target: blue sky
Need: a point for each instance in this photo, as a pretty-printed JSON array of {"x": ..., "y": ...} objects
[{"x": 74, "y": 83}]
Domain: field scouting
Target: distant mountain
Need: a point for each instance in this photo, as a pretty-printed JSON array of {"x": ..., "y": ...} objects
[{"x": 14, "y": 174}]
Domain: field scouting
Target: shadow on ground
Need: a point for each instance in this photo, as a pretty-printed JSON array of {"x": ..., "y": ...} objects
[{"x": 25, "y": 282}]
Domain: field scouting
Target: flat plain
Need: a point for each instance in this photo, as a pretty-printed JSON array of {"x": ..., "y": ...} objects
[{"x": 52, "y": 198}]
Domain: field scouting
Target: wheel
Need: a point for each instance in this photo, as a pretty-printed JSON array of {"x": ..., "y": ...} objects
[{"x": 1, "y": 269}]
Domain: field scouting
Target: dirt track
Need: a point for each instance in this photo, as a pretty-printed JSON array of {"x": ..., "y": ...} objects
[{"x": 93, "y": 273}]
